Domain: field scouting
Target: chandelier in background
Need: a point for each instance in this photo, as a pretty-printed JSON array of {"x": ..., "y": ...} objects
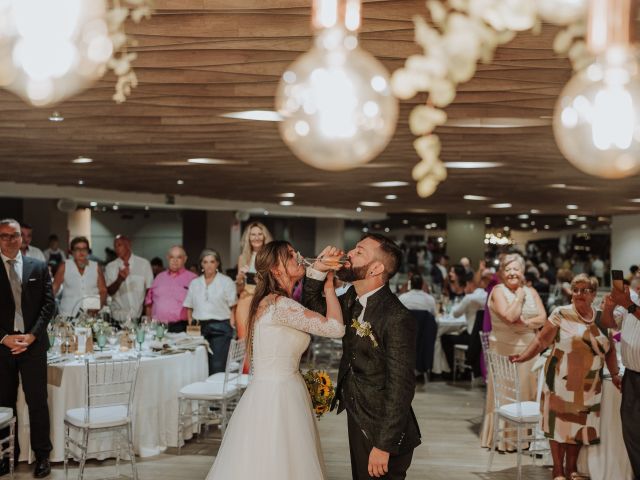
[
  {"x": 335, "y": 100},
  {"x": 51, "y": 50},
  {"x": 597, "y": 116}
]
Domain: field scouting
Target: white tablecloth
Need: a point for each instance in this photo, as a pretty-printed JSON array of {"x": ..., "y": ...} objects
[
  {"x": 607, "y": 460},
  {"x": 446, "y": 324},
  {"x": 155, "y": 403}
]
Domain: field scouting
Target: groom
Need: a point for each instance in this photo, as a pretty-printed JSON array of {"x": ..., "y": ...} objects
[{"x": 376, "y": 379}]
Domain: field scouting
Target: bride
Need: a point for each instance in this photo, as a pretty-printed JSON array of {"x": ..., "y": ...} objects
[{"x": 272, "y": 434}]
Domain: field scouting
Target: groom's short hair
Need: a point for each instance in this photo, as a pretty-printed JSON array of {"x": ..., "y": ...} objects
[{"x": 391, "y": 256}]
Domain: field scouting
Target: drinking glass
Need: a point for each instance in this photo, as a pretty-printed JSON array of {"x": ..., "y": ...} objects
[
  {"x": 113, "y": 337},
  {"x": 102, "y": 340},
  {"x": 333, "y": 261},
  {"x": 140, "y": 334},
  {"x": 160, "y": 331}
]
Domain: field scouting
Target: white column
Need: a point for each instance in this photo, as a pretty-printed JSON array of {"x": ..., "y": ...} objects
[
  {"x": 79, "y": 223},
  {"x": 625, "y": 239}
]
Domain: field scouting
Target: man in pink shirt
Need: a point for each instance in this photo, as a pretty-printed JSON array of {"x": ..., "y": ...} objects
[{"x": 168, "y": 291}]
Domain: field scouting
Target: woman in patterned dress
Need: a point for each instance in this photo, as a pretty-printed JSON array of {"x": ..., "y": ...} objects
[{"x": 571, "y": 393}]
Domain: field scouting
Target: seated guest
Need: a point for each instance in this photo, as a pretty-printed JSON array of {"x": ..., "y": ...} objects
[
  {"x": 457, "y": 275},
  {"x": 209, "y": 302},
  {"x": 169, "y": 289},
  {"x": 474, "y": 299},
  {"x": 53, "y": 255},
  {"x": 128, "y": 277},
  {"x": 80, "y": 278},
  {"x": 572, "y": 391},
  {"x": 417, "y": 298}
]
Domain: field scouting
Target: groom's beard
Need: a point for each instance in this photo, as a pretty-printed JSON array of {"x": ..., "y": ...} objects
[{"x": 352, "y": 274}]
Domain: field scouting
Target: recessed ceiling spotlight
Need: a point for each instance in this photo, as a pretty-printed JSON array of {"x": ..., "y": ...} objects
[
  {"x": 391, "y": 197},
  {"x": 386, "y": 229},
  {"x": 93, "y": 204},
  {"x": 287, "y": 195},
  {"x": 500, "y": 205},
  {"x": 266, "y": 212},
  {"x": 56, "y": 117},
  {"x": 572, "y": 207},
  {"x": 371, "y": 204},
  {"x": 390, "y": 183},
  {"x": 405, "y": 222},
  {"x": 434, "y": 225},
  {"x": 523, "y": 216},
  {"x": 80, "y": 182},
  {"x": 146, "y": 207},
  {"x": 534, "y": 211},
  {"x": 573, "y": 217},
  {"x": 583, "y": 226},
  {"x": 259, "y": 115},
  {"x": 506, "y": 229},
  {"x": 558, "y": 185},
  {"x": 286, "y": 203},
  {"x": 487, "y": 220},
  {"x": 524, "y": 225},
  {"x": 358, "y": 209},
  {"x": 635, "y": 200},
  {"x": 475, "y": 197},
  {"x": 82, "y": 160},
  {"x": 180, "y": 182},
  {"x": 115, "y": 207},
  {"x": 532, "y": 223},
  {"x": 546, "y": 227},
  {"x": 469, "y": 165},
  {"x": 365, "y": 229},
  {"x": 212, "y": 161}
]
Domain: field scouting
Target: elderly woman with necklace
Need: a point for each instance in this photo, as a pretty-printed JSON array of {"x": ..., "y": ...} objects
[{"x": 571, "y": 393}]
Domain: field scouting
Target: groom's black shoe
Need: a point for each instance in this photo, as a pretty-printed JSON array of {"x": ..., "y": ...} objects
[{"x": 42, "y": 469}]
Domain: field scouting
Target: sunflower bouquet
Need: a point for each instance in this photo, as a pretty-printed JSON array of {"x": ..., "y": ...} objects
[{"x": 321, "y": 390}]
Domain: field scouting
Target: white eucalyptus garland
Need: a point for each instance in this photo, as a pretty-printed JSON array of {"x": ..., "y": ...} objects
[
  {"x": 121, "y": 60},
  {"x": 461, "y": 34}
]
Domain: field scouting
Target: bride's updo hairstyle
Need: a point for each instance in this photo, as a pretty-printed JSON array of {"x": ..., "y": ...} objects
[{"x": 268, "y": 259}]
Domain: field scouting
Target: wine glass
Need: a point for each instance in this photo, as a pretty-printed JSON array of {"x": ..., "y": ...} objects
[
  {"x": 140, "y": 335},
  {"x": 101, "y": 338},
  {"x": 160, "y": 331}
]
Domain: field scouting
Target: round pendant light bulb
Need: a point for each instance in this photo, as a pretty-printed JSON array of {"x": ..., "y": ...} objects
[
  {"x": 336, "y": 103},
  {"x": 597, "y": 116}
]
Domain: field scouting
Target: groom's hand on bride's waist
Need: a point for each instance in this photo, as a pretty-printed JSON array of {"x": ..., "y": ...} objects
[{"x": 378, "y": 462}]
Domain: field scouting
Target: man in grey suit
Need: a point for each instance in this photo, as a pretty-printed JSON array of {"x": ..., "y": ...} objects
[
  {"x": 26, "y": 306},
  {"x": 376, "y": 381}
]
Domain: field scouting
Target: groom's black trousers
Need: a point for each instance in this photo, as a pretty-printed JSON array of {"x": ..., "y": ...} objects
[{"x": 360, "y": 448}]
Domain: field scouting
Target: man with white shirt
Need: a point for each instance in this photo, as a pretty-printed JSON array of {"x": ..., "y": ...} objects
[
  {"x": 417, "y": 298},
  {"x": 474, "y": 299},
  {"x": 626, "y": 316},
  {"x": 27, "y": 249},
  {"x": 128, "y": 277}
]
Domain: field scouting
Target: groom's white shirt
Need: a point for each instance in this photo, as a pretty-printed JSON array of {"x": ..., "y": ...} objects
[{"x": 318, "y": 275}]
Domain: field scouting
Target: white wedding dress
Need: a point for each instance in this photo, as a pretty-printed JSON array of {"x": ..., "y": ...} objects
[{"x": 272, "y": 434}]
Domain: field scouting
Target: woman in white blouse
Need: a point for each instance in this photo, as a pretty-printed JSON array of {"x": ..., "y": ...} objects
[
  {"x": 81, "y": 279},
  {"x": 209, "y": 301}
]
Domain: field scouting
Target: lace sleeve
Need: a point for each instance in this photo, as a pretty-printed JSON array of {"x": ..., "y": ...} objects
[{"x": 290, "y": 313}]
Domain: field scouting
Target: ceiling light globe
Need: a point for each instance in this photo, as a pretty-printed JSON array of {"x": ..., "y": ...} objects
[
  {"x": 52, "y": 50},
  {"x": 597, "y": 116},
  {"x": 336, "y": 103}
]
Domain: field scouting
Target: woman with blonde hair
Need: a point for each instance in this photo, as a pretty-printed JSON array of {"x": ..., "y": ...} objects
[
  {"x": 273, "y": 421},
  {"x": 517, "y": 313}
]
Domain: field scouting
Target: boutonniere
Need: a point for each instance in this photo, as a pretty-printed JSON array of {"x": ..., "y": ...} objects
[{"x": 363, "y": 329}]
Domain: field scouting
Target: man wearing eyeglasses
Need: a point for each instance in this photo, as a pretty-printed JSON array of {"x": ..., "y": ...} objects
[{"x": 26, "y": 307}]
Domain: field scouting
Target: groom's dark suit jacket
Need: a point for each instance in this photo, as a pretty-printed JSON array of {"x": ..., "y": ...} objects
[{"x": 376, "y": 384}]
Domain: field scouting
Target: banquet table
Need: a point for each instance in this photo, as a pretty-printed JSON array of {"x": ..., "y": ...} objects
[
  {"x": 446, "y": 324},
  {"x": 608, "y": 460},
  {"x": 155, "y": 402}
]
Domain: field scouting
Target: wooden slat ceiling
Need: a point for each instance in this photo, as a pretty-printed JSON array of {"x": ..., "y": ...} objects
[{"x": 199, "y": 59}]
